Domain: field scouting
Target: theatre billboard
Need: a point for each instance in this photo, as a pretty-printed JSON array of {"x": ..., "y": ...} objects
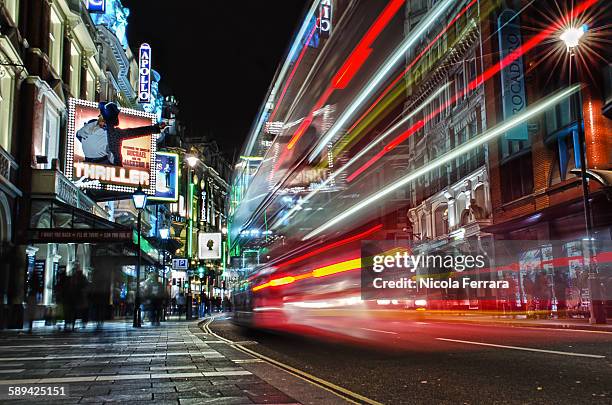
[
  {"x": 134, "y": 164},
  {"x": 166, "y": 180}
]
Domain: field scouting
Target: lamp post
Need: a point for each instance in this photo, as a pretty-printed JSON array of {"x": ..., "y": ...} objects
[
  {"x": 164, "y": 233},
  {"x": 571, "y": 37},
  {"x": 140, "y": 201},
  {"x": 192, "y": 161}
]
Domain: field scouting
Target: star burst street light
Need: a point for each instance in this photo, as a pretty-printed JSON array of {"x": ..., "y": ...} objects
[{"x": 571, "y": 37}]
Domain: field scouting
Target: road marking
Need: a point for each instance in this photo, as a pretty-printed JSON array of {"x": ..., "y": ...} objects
[
  {"x": 246, "y": 361},
  {"x": 12, "y": 371},
  {"x": 422, "y": 323},
  {"x": 341, "y": 392},
  {"x": 380, "y": 331},
  {"x": 527, "y": 349}
]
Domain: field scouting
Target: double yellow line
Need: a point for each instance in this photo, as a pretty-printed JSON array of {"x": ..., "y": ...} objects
[{"x": 347, "y": 395}]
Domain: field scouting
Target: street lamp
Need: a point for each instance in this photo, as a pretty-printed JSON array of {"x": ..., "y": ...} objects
[
  {"x": 571, "y": 37},
  {"x": 140, "y": 201},
  {"x": 164, "y": 234},
  {"x": 192, "y": 160}
]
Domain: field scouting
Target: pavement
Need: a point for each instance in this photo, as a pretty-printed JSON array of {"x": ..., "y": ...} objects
[{"x": 174, "y": 363}]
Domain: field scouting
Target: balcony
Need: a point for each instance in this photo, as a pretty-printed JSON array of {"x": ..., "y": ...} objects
[{"x": 8, "y": 174}]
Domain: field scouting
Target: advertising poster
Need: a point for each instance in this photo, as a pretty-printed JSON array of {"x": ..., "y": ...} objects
[
  {"x": 166, "y": 180},
  {"x": 209, "y": 245},
  {"x": 92, "y": 161}
]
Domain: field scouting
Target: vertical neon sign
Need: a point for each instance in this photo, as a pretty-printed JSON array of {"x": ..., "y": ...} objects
[
  {"x": 325, "y": 18},
  {"x": 144, "y": 74}
]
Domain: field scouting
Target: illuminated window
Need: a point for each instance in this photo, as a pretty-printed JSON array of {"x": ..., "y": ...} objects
[
  {"x": 7, "y": 92},
  {"x": 75, "y": 70},
  {"x": 50, "y": 141},
  {"x": 55, "y": 42},
  {"x": 91, "y": 87},
  {"x": 13, "y": 9}
]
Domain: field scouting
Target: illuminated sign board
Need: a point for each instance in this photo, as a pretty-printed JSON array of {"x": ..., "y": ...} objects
[
  {"x": 325, "y": 18},
  {"x": 91, "y": 164},
  {"x": 180, "y": 264},
  {"x": 144, "y": 74},
  {"x": 513, "y": 75},
  {"x": 209, "y": 245},
  {"x": 166, "y": 177},
  {"x": 96, "y": 6}
]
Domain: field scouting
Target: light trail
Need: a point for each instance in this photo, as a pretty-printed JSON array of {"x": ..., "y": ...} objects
[
  {"x": 253, "y": 136},
  {"x": 382, "y": 73},
  {"x": 354, "y": 159},
  {"x": 333, "y": 245},
  {"x": 351, "y": 66},
  {"x": 295, "y": 66},
  {"x": 411, "y": 65},
  {"x": 458, "y": 151}
]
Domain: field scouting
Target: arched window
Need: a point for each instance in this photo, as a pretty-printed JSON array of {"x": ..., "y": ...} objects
[{"x": 441, "y": 220}]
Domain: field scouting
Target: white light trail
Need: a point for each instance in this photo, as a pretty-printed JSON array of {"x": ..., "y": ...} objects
[
  {"x": 382, "y": 73},
  {"x": 281, "y": 76},
  {"x": 458, "y": 151},
  {"x": 358, "y": 156}
]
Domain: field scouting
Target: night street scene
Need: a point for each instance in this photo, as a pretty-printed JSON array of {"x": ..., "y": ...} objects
[{"x": 306, "y": 202}]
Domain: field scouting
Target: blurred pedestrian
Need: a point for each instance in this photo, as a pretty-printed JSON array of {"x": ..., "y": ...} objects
[{"x": 180, "y": 303}]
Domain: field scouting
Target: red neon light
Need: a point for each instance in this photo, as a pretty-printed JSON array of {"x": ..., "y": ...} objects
[
  {"x": 331, "y": 246},
  {"x": 418, "y": 57},
  {"x": 478, "y": 81}
]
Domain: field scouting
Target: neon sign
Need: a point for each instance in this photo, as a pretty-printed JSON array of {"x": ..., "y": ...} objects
[
  {"x": 325, "y": 17},
  {"x": 96, "y": 6},
  {"x": 144, "y": 74}
]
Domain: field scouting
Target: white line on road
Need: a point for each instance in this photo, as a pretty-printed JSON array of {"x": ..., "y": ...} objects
[
  {"x": 246, "y": 361},
  {"x": 528, "y": 349},
  {"x": 380, "y": 331}
]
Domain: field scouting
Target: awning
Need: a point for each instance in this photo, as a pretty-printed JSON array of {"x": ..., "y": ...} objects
[{"x": 56, "y": 221}]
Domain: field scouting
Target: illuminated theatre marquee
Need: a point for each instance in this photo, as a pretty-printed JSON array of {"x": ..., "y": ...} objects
[
  {"x": 133, "y": 167},
  {"x": 144, "y": 74}
]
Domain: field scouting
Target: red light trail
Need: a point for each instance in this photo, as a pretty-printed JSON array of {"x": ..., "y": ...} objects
[{"x": 351, "y": 66}]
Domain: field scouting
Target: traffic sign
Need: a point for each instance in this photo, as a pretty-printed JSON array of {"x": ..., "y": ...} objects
[{"x": 180, "y": 264}]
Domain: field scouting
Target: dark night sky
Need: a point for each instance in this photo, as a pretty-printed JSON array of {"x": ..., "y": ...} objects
[{"x": 217, "y": 57}]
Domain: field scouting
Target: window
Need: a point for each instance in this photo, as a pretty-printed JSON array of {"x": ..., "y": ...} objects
[
  {"x": 459, "y": 84},
  {"x": 50, "y": 139},
  {"x": 516, "y": 177},
  {"x": 7, "y": 93},
  {"x": 13, "y": 9},
  {"x": 91, "y": 87},
  {"x": 55, "y": 42},
  {"x": 75, "y": 70}
]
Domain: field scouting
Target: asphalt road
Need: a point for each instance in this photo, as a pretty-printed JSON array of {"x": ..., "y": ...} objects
[{"x": 443, "y": 363}]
